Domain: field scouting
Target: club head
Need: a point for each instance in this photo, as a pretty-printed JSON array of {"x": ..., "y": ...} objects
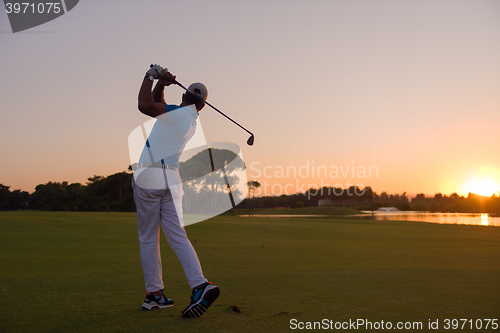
[{"x": 250, "y": 140}]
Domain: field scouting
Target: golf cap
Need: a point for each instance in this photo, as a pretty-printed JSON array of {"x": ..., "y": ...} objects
[{"x": 199, "y": 90}]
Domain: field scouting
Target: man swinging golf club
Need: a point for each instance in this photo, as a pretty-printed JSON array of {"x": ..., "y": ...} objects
[{"x": 158, "y": 191}]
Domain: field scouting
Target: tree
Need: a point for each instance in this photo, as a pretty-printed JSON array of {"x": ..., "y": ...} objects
[
  {"x": 252, "y": 186},
  {"x": 207, "y": 176},
  {"x": 419, "y": 197},
  {"x": 299, "y": 204},
  {"x": 4, "y": 197}
]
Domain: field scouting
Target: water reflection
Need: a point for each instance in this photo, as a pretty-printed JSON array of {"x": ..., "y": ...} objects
[
  {"x": 443, "y": 218},
  {"x": 484, "y": 219}
]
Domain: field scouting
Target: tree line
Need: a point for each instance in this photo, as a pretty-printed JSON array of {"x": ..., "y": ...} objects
[
  {"x": 115, "y": 193},
  {"x": 112, "y": 193},
  {"x": 367, "y": 199}
]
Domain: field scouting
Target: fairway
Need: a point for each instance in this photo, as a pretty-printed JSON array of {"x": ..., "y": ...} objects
[
  {"x": 81, "y": 272},
  {"x": 296, "y": 211}
]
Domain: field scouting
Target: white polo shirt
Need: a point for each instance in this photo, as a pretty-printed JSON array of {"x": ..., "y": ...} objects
[{"x": 169, "y": 135}]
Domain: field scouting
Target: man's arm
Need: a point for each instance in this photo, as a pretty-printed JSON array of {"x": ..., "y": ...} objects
[
  {"x": 147, "y": 104},
  {"x": 152, "y": 103},
  {"x": 158, "y": 95}
]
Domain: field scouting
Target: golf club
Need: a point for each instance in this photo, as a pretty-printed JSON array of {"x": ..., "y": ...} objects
[{"x": 250, "y": 139}]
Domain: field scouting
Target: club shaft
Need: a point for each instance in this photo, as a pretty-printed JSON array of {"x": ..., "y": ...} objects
[
  {"x": 213, "y": 107},
  {"x": 243, "y": 128}
]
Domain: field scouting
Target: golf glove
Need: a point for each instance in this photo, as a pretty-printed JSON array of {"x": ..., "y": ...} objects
[{"x": 155, "y": 71}]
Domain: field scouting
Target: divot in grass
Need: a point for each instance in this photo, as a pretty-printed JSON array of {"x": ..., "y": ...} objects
[{"x": 235, "y": 308}]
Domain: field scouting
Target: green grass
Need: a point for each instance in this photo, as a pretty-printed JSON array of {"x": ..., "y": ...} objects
[
  {"x": 297, "y": 211},
  {"x": 80, "y": 272}
]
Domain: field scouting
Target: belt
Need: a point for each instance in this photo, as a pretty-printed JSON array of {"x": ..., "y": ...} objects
[{"x": 136, "y": 166}]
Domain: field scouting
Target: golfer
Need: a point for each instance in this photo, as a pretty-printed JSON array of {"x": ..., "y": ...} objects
[{"x": 158, "y": 192}]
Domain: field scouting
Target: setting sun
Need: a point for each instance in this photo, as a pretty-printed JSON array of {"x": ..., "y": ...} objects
[{"x": 486, "y": 187}]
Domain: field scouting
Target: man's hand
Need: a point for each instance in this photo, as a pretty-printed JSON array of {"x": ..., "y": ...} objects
[
  {"x": 155, "y": 71},
  {"x": 166, "y": 78}
]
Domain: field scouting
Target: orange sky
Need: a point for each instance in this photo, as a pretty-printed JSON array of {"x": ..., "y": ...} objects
[{"x": 408, "y": 87}]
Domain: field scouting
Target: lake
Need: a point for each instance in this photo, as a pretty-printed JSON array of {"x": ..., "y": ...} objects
[{"x": 443, "y": 218}]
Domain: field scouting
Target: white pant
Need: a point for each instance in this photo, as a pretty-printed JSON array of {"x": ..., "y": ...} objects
[{"x": 155, "y": 207}]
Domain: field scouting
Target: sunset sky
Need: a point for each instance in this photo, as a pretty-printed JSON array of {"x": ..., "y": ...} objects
[{"x": 408, "y": 88}]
